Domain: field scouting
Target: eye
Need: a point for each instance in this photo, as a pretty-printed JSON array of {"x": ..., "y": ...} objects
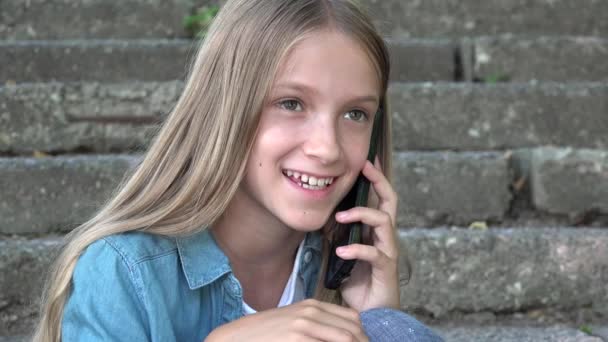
[
  {"x": 356, "y": 115},
  {"x": 292, "y": 105}
]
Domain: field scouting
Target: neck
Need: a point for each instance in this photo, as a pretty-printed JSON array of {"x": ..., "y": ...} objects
[
  {"x": 255, "y": 240},
  {"x": 261, "y": 250}
]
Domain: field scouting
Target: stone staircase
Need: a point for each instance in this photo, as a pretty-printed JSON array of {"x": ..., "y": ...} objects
[{"x": 500, "y": 112}]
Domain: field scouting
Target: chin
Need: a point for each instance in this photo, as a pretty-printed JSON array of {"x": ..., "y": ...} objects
[{"x": 303, "y": 224}]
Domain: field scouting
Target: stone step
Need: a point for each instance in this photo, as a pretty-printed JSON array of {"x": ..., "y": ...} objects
[
  {"x": 73, "y": 19},
  {"x": 113, "y": 117},
  {"x": 480, "y": 334},
  {"x": 454, "y": 270},
  {"x": 561, "y": 59},
  {"x": 498, "y": 333},
  {"x": 167, "y": 60},
  {"x": 21, "y": 338},
  {"x": 460, "y": 116},
  {"x": 435, "y": 188},
  {"x": 69, "y": 19},
  {"x": 484, "y": 59},
  {"x": 456, "y": 18}
]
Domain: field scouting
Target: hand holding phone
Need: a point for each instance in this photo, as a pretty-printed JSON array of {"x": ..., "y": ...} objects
[{"x": 339, "y": 269}]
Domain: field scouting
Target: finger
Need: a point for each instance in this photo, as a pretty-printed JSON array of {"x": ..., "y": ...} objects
[
  {"x": 387, "y": 196},
  {"x": 370, "y": 254},
  {"x": 381, "y": 226},
  {"x": 327, "y": 326},
  {"x": 377, "y": 164},
  {"x": 346, "y": 313}
]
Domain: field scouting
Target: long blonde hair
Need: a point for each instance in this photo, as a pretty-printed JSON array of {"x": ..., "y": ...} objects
[{"x": 195, "y": 164}]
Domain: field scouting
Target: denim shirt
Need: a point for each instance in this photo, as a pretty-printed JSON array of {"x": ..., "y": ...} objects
[{"x": 143, "y": 287}]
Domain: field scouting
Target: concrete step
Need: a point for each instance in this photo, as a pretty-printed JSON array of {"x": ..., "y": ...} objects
[
  {"x": 498, "y": 333},
  {"x": 109, "y": 117},
  {"x": 166, "y": 60},
  {"x": 21, "y": 338},
  {"x": 562, "y": 186},
  {"x": 501, "y": 116},
  {"x": 56, "y": 194},
  {"x": 456, "y": 18},
  {"x": 73, "y": 19},
  {"x": 485, "y": 59},
  {"x": 454, "y": 270},
  {"x": 481, "y": 334},
  {"x": 95, "y": 60},
  {"x": 60, "y": 117},
  {"x": 561, "y": 59},
  {"x": 435, "y": 188}
]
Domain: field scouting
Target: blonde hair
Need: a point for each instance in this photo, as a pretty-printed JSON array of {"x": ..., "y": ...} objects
[{"x": 193, "y": 167}]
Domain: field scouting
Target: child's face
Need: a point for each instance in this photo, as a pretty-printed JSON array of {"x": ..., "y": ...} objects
[{"x": 317, "y": 121}]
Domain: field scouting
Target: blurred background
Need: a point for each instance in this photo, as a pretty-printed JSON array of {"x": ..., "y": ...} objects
[{"x": 500, "y": 125}]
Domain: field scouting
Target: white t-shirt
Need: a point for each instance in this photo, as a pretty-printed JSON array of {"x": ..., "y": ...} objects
[{"x": 294, "y": 290}]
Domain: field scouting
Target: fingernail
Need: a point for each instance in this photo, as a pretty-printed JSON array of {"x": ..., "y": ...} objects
[
  {"x": 341, "y": 250},
  {"x": 341, "y": 215}
]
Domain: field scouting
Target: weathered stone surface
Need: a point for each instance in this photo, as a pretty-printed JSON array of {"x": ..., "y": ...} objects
[
  {"x": 167, "y": 60},
  {"x": 66, "y": 19},
  {"x": 568, "y": 181},
  {"x": 502, "y": 116},
  {"x": 103, "y": 61},
  {"x": 545, "y": 59},
  {"x": 454, "y": 18},
  {"x": 82, "y": 116},
  {"x": 514, "y": 334},
  {"x": 38, "y": 195},
  {"x": 415, "y": 60},
  {"x": 14, "y": 339},
  {"x": 23, "y": 266},
  {"x": 458, "y": 270},
  {"x": 438, "y": 188},
  {"x": 505, "y": 270},
  {"x": 44, "y": 19}
]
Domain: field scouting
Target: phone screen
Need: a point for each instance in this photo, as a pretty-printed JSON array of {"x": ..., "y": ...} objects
[{"x": 338, "y": 269}]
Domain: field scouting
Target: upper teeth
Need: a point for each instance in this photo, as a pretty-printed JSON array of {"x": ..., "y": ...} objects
[{"x": 311, "y": 180}]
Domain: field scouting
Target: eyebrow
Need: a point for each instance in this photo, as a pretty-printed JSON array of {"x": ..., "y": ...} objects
[{"x": 306, "y": 89}]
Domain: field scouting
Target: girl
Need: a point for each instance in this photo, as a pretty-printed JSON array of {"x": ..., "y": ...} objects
[{"x": 221, "y": 232}]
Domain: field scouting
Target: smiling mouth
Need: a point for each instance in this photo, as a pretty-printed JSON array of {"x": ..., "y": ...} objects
[{"x": 308, "y": 182}]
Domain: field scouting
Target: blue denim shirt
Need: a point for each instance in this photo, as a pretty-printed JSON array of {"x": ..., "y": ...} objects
[{"x": 142, "y": 287}]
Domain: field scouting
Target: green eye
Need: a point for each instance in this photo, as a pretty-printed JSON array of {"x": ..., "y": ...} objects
[
  {"x": 292, "y": 105},
  {"x": 356, "y": 115}
]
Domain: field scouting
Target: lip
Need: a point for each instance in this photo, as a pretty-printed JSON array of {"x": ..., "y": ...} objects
[{"x": 312, "y": 194}]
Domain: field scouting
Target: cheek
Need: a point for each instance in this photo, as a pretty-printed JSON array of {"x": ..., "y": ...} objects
[{"x": 357, "y": 153}]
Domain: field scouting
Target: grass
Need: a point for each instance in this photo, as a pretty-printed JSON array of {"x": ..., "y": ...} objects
[{"x": 198, "y": 23}]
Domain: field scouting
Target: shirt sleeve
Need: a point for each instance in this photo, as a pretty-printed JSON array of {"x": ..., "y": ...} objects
[{"x": 105, "y": 303}]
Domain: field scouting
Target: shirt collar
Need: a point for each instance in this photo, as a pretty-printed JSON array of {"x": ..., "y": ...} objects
[{"x": 203, "y": 261}]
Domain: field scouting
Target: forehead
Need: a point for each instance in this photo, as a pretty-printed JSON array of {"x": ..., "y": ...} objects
[{"x": 330, "y": 61}]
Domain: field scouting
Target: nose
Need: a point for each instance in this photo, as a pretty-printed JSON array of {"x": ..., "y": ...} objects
[{"x": 322, "y": 141}]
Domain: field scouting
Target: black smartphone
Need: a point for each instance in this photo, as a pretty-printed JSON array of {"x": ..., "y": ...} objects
[{"x": 339, "y": 269}]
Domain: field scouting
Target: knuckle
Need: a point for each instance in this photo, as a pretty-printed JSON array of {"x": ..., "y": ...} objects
[
  {"x": 310, "y": 302},
  {"x": 310, "y": 311},
  {"x": 346, "y": 336},
  {"x": 301, "y": 324},
  {"x": 352, "y": 314},
  {"x": 387, "y": 218}
]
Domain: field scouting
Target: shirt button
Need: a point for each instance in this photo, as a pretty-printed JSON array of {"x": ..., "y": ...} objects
[{"x": 307, "y": 257}]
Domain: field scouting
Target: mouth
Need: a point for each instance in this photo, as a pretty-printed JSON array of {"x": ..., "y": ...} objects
[{"x": 309, "y": 182}]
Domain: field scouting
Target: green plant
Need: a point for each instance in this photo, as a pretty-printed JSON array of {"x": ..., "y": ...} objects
[
  {"x": 198, "y": 23},
  {"x": 495, "y": 78},
  {"x": 586, "y": 329}
]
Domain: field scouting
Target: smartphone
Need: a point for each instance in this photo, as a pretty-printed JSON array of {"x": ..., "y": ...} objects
[{"x": 338, "y": 269}]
